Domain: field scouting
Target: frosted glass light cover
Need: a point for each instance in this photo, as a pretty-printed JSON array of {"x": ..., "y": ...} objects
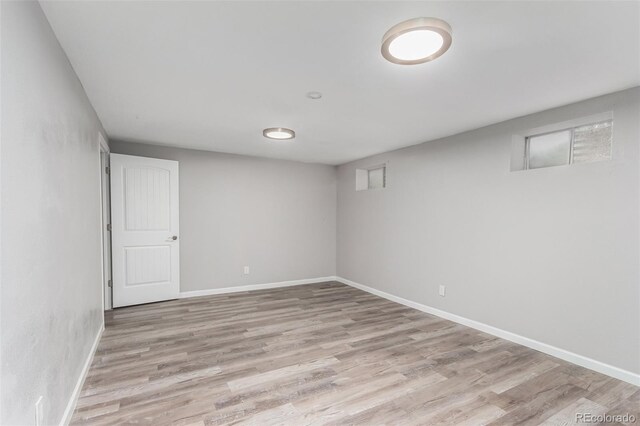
[
  {"x": 416, "y": 45},
  {"x": 278, "y": 133},
  {"x": 416, "y": 41}
]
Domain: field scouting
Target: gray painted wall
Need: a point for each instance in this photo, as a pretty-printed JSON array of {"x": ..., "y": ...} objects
[
  {"x": 551, "y": 254},
  {"x": 277, "y": 217},
  {"x": 51, "y": 304}
]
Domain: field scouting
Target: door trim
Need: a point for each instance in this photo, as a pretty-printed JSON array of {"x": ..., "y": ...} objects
[{"x": 105, "y": 212}]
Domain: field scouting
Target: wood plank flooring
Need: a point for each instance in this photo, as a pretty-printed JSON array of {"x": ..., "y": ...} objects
[{"x": 326, "y": 354}]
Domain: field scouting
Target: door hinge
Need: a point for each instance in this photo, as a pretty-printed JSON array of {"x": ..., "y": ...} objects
[
  {"x": 109, "y": 283},
  {"x": 107, "y": 170},
  {"x": 109, "y": 227}
]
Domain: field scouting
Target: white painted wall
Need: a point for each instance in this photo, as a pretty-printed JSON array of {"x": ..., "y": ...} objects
[
  {"x": 277, "y": 217},
  {"x": 550, "y": 254},
  {"x": 51, "y": 299}
]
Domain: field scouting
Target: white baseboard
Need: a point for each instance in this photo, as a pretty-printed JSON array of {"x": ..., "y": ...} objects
[
  {"x": 68, "y": 412},
  {"x": 563, "y": 354},
  {"x": 236, "y": 289}
]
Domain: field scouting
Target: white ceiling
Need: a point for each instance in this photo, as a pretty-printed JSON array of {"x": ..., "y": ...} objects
[{"x": 212, "y": 75}]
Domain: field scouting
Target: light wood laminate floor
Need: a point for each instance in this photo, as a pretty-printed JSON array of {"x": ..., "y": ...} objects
[{"x": 326, "y": 354}]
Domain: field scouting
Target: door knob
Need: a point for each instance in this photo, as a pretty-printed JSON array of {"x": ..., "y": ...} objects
[{"x": 175, "y": 237}]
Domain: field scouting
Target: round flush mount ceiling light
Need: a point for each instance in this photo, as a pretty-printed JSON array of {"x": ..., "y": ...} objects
[
  {"x": 278, "y": 133},
  {"x": 416, "y": 41},
  {"x": 314, "y": 95}
]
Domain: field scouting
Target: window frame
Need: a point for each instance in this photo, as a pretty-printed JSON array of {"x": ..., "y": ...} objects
[
  {"x": 362, "y": 177},
  {"x": 527, "y": 146},
  {"x": 527, "y": 141},
  {"x": 384, "y": 177},
  {"x": 520, "y": 145}
]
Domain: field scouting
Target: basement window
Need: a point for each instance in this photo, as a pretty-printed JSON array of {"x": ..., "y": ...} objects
[
  {"x": 371, "y": 178},
  {"x": 564, "y": 144}
]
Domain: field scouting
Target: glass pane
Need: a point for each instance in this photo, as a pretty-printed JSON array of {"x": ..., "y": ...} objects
[
  {"x": 592, "y": 142},
  {"x": 549, "y": 150},
  {"x": 376, "y": 178}
]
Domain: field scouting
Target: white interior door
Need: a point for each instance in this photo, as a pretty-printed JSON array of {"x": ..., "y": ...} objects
[{"x": 144, "y": 215}]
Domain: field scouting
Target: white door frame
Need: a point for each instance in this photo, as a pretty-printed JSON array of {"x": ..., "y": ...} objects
[{"x": 105, "y": 220}]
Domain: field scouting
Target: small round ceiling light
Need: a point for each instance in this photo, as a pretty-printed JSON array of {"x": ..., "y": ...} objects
[
  {"x": 314, "y": 95},
  {"x": 278, "y": 133},
  {"x": 416, "y": 41}
]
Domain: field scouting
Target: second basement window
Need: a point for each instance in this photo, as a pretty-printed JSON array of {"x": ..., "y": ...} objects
[
  {"x": 582, "y": 144},
  {"x": 371, "y": 178},
  {"x": 376, "y": 178}
]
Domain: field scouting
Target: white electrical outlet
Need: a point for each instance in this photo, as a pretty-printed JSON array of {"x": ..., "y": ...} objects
[
  {"x": 246, "y": 270},
  {"x": 442, "y": 290},
  {"x": 39, "y": 413}
]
